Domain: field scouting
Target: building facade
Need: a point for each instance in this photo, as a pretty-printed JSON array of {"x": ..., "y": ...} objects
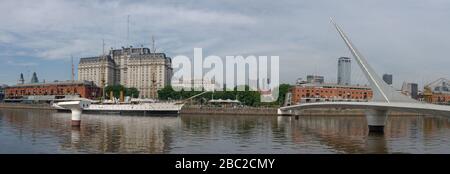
[
  {"x": 329, "y": 92},
  {"x": 84, "y": 89},
  {"x": 344, "y": 71},
  {"x": 410, "y": 89},
  {"x": 315, "y": 79},
  {"x": 437, "y": 92},
  {"x": 387, "y": 78},
  {"x": 130, "y": 67},
  {"x": 2, "y": 92}
]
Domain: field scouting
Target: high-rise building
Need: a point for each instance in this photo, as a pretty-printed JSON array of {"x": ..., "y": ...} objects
[
  {"x": 21, "y": 79},
  {"x": 387, "y": 78},
  {"x": 410, "y": 89},
  {"x": 34, "y": 79},
  {"x": 315, "y": 79},
  {"x": 130, "y": 67},
  {"x": 344, "y": 71}
]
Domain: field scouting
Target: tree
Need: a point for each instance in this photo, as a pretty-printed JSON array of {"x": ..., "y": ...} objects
[
  {"x": 132, "y": 92},
  {"x": 167, "y": 93},
  {"x": 283, "y": 89}
]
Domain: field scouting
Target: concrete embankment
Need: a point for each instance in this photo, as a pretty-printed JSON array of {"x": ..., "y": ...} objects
[
  {"x": 273, "y": 111},
  {"x": 229, "y": 111},
  {"x": 347, "y": 112},
  {"x": 250, "y": 111},
  {"x": 26, "y": 106}
]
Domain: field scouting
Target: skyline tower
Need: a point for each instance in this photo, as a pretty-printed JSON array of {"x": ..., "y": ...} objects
[
  {"x": 34, "y": 79},
  {"x": 388, "y": 78},
  {"x": 21, "y": 79},
  {"x": 344, "y": 71}
]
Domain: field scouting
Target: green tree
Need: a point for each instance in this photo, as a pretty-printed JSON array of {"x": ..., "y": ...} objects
[
  {"x": 167, "y": 93},
  {"x": 283, "y": 89},
  {"x": 132, "y": 92}
]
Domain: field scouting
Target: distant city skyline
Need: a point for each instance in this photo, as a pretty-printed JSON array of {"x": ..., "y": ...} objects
[{"x": 406, "y": 38}]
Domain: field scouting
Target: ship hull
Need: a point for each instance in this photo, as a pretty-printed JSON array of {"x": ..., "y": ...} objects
[
  {"x": 146, "y": 109},
  {"x": 133, "y": 112}
]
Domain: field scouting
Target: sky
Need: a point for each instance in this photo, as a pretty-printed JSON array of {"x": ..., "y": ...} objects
[{"x": 407, "y": 38}]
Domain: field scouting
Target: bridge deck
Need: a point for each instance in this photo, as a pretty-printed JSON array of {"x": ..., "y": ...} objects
[{"x": 396, "y": 106}]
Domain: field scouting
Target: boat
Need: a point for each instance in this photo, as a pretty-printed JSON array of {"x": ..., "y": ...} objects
[{"x": 130, "y": 108}]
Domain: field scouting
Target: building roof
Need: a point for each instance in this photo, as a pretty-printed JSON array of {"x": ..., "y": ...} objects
[
  {"x": 149, "y": 56},
  {"x": 223, "y": 101},
  {"x": 94, "y": 59},
  {"x": 54, "y": 83},
  {"x": 332, "y": 85}
]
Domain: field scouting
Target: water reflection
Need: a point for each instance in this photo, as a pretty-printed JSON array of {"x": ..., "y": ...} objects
[{"x": 32, "y": 131}]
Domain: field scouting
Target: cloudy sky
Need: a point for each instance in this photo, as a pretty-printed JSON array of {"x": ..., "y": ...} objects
[{"x": 408, "y": 38}]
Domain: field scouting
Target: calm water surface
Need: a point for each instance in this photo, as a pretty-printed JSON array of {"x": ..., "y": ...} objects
[{"x": 34, "y": 131}]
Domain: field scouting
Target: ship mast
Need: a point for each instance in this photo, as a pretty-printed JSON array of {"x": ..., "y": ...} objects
[
  {"x": 103, "y": 62},
  {"x": 153, "y": 45},
  {"x": 73, "y": 69},
  {"x": 153, "y": 87}
]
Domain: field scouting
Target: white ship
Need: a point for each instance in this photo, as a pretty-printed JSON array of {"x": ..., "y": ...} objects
[
  {"x": 145, "y": 108},
  {"x": 128, "y": 107}
]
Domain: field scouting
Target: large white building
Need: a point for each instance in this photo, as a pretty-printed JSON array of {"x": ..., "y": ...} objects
[{"x": 130, "y": 67}]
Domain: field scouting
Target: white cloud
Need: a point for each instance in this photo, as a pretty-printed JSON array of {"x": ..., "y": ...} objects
[{"x": 10, "y": 62}]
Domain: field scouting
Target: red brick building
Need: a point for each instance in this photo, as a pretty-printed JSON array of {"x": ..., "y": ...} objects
[
  {"x": 329, "y": 92},
  {"x": 84, "y": 89},
  {"x": 440, "y": 98},
  {"x": 437, "y": 92}
]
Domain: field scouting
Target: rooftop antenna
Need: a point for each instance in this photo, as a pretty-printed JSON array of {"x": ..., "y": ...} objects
[
  {"x": 153, "y": 45},
  {"x": 128, "y": 29},
  {"x": 103, "y": 47}
]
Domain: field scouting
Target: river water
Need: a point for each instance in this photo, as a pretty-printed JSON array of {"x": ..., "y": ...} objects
[{"x": 37, "y": 131}]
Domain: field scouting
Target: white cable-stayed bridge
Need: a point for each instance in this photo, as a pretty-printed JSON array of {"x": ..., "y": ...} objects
[{"x": 385, "y": 97}]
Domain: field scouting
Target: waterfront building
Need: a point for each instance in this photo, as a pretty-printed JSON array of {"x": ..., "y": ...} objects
[
  {"x": 329, "y": 92},
  {"x": 97, "y": 69},
  {"x": 410, "y": 89},
  {"x": 315, "y": 79},
  {"x": 387, "y": 78},
  {"x": 2, "y": 92},
  {"x": 437, "y": 92},
  {"x": 344, "y": 71},
  {"x": 84, "y": 89},
  {"x": 130, "y": 67}
]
